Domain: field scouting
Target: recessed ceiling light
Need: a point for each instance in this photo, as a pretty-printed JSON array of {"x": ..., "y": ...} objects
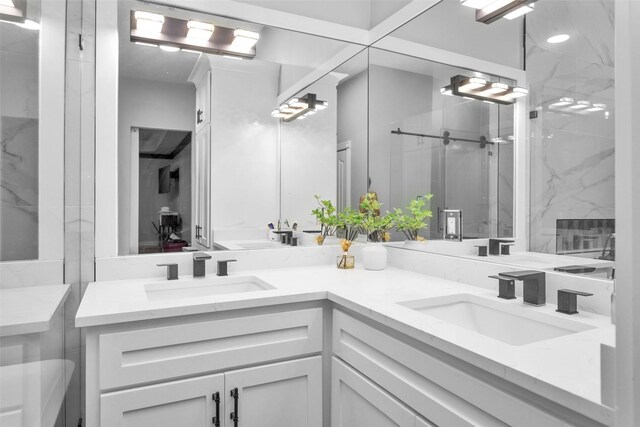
[{"x": 558, "y": 38}]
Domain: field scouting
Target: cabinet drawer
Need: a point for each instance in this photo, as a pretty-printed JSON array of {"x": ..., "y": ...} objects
[
  {"x": 157, "y": 354},
  {"x": 443, "y": 392}
]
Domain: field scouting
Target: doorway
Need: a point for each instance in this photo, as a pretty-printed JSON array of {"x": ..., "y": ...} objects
[{"x": 161, "y": 197}]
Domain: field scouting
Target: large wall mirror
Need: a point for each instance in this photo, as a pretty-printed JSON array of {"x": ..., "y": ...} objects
[
  {"x": 32, "y": 131},
  {"x": 201, "y": 160}
]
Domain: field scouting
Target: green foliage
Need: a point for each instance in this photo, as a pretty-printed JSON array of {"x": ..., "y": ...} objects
[
  {"x": 412, "y": 221},
  {"x": 351, "y": 222},
  {"x": 374, "y": 225},
  {"x": 327, "y": 216}
]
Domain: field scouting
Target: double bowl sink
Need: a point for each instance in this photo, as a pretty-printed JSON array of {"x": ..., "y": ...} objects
[{"x": 510, "y": 323}]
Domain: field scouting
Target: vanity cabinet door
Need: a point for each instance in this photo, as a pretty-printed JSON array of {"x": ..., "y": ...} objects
[
  {"x": 358, "y": 402},
  {"x": 185, "y": 403},
  {"x": 203, "y": 101},
  {"x": 286, "y": 394},
  {"x": 202, "y": 230}
]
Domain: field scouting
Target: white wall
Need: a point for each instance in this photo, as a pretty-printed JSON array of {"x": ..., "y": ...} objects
[
  {"x": 146, "y": 104},
  {"x": 244, "y": 150}
]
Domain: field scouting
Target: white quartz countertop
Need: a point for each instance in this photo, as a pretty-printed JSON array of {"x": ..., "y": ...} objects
[
  {"x": 565, "y": 369},
  {"x": 30, "y": 309}
]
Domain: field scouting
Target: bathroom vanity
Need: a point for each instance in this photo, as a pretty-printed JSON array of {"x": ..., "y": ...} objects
[{"x": 318, "y": 346}]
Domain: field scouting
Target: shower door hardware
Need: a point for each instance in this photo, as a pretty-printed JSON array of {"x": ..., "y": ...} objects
[
  {"x": 446, "y": 137},
  {"x": 216, "y": 398},
  {"x": 234, "y": 415},
  {"x": 199, "y": 116}
]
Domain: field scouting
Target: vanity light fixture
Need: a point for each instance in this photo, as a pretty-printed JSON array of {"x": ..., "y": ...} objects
[
  {"x": 597, "y": 107},
  {"x": 480, "y": 89},
  {"x": 563, "y": 102},
  {"x": 191, "y": 35},
  {"x": 299, "y": 108},
  {"x": 146, "y": 44},
  {"x": 232, "y": 57},
  {"x": 488, "y": 11},
  {"x": 580, "y": 105},
  {"x": 148, "y": 22},
  {"x": 243, "y": 39},
  {"x": 199, "y": 30},
  {"x": 13, "y": 11}
]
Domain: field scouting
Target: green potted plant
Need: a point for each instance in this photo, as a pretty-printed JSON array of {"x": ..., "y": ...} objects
[
  {"x": 376, "y": 227},
  {"x": 414, "y": 218},
  {"x": 350, "y": 223},
  {"x": 327, "y": 216}
]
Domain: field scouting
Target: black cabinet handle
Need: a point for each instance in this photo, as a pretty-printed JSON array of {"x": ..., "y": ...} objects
[
  {"x": 234, "y": 414},
  {"x": 216, "y": 399},
  {"x": 199, "y": 116}
]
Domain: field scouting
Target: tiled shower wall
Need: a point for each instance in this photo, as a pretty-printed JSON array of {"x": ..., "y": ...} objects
[
  {"x": 572, "y": 154},
  {"x": 79, "y": 184}
]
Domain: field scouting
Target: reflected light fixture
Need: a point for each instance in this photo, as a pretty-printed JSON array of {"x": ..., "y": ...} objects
[
  {"x": 199, "y": 30},
  {"x": 597, "y": 107},
  {"x": 299, "y": 108},
  {"x": 149, "y": 22},
  {"x": 580, "y": 105},
  {"x": 243, "y": 39},
  {"x": 480, "y": 89},
  {"x": 488, "y": 11},
  {"x": 558, "y": 38},
  {"x": 169, "y": 48},
  {"x": 563, "y": 102}
]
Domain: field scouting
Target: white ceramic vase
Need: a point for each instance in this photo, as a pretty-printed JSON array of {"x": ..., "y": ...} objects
[{"x": 374, "y": 256}]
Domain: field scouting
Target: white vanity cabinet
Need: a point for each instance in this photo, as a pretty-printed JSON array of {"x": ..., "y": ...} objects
[
  {"x": 167, "y": 372},
  {"x": 358, "y": 402},
  {"x": 435, "y": 385}
]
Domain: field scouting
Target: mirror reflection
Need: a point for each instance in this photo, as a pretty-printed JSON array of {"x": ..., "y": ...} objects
[
  {"x": 423, "y": 140},
  {"x": 202, "y": 162}
]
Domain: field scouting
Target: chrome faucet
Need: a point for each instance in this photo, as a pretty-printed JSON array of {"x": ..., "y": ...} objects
[
  {"x": 534, "y": 285},
  {"x": 199, "y": 268}
]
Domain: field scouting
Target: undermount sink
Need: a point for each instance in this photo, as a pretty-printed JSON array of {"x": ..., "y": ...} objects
[
  {"x": 512, "y": 324},
  {"x": 204, "y": 287}
]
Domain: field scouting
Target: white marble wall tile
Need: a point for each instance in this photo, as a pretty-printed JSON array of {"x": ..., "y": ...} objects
[
  {"x": 72, "y": 150},
  {"x": 16, "y": 274},
  {"x": 87, "y": 128}
]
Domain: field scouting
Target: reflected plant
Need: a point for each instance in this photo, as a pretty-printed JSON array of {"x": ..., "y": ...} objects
[
  {"x": 374, "y": 225},
  {"x": 327, "y": 216},
  {"x": 414, "y": 219}
]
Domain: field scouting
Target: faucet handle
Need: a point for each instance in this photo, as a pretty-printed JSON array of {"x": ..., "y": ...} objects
[
  {"x": 172, "y": 270},
  {"x": 567, "y": 300},
  {"x": 201, "y": 256},
  {"x": 223, "y": 266},
  {"x": 506, "y": 287}
]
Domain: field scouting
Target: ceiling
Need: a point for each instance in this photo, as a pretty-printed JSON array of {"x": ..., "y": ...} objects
[{"x": 161, "y": 142}]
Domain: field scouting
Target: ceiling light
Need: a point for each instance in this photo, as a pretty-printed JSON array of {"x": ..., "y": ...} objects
[
  {"x": 476, "y": 4},
  {"x": 28, "y": 24},
  {"x": 244, "y": 39},
  {"x": 563, "y": 102},
  {"x": 580, "y": 105},
  {"x": 168, "y": 48},
  {"x": 518, "y": 12},
  {"x": 558, "y": 38},
  {"x": 149, "y": 22},
  {"x": 199, "y": 30}
]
